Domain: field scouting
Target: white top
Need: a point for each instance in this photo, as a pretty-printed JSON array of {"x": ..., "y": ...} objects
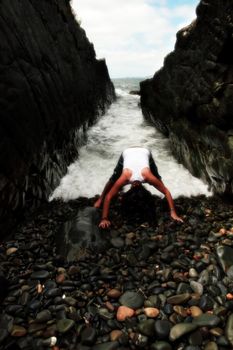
[{"x": 136, "y": 159}]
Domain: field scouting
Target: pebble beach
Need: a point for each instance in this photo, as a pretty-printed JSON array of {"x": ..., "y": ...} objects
[{"x": 159, "y": 285}]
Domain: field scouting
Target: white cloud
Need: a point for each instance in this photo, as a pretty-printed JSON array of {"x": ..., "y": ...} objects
[{"x": 133, "y": 35}]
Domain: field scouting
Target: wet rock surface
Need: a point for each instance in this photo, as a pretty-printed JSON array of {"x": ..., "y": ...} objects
[
  {"x": 82, "y": 233},
  {"x": 52, "y": 88},
  {"x": 190, "y": 98},
  {"x": 125, "y": 297}
]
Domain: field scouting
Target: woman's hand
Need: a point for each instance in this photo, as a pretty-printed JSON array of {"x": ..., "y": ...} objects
[
  {"x": 175, "y": 217},
  {"x": 104, "y": 223}
]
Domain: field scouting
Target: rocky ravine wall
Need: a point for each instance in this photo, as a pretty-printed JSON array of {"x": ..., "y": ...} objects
[
  {"x": 51, "y": 88},
  {"x": 191, "y": 98}
]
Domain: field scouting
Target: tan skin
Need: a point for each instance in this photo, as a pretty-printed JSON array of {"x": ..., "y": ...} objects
[{"x": 124, "y": 180}]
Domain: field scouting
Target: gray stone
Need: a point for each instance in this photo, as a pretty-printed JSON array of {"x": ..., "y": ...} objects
[
  {"x": 230, "y": 272},
  {"x": 225, "y": 255},
  {"x": 196, "y": 287},
  {"x": 147, "y": 327},
  {"x": 6, "y": 322},
  {"x": 181, "y": 329},
  {"x": 183, "y": 288},
  {"x": 204, "y": 277},
  {"x": 161, "y": 345},
  {"x": 178, "y": 299},
  {"x": 53, "y": 292},
  {"x": 114, "y": 345},
  {"x": 40, "y": 275},
  {"x": 64, "y": 325},
  {"x": 133, "y": 300},
  {"x": 117, "y": 242},
  {"x": 195, "y": 338},
  {"x": 153, "y": 301},
  {"x": 35, "y": 327},
  {"x": 207, "y": 320},
  {"x": 162, "y": 329},
  {"x": 206, "y": 303},
  {"x": 229, "y": 329},
  {"x": 88, "y": 336},
  {"x": 223, "y": 341},
  {"x": 70, "y": 301},
  {"x": 43, "y": 316},
  {"x": 105, "y": 314}
]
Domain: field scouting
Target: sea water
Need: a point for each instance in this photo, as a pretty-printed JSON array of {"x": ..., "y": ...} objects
[{"x": 123, "y": 126}]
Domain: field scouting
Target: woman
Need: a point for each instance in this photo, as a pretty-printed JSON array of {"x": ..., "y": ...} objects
[{"x": 135, "y": 166}]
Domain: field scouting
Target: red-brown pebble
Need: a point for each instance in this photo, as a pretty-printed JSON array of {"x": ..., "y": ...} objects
[
  {"x": 114, "y": 293},
  {"x": 195, "y": 311},
  {"x": 223, "y": 231},
  {"x": 60, "y": 278},
  {"x": 115, "y": 334},
  {"x": 151, "y": 312},
  {"x": 123, "y": 312},
  {"x": 109, "y": 306},
  {"x": 18, "y": 331}
]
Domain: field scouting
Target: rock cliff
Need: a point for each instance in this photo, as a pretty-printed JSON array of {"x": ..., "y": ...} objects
[
  {"x": 52, "y": 88},
  {"x": 190, "y": 99}
]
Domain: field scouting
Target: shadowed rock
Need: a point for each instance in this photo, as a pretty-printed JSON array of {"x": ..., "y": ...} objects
[{"x": 52, "y": 88}]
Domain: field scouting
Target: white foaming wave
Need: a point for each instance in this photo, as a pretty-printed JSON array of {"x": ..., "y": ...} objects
[
  {"x": 121, "y": 127},
  {"x": 121, "y": 92}
]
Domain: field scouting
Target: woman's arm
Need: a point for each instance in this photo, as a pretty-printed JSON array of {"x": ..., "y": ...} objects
[
  {"x": 115, "y": 176},
  {"x": 105, "y": 223},
  {"x": 106, "y": 189},
  {"x": 152, "y": 180}
]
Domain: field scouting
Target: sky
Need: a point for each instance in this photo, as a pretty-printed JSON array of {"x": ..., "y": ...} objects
[{"x": 133, "y": 36}]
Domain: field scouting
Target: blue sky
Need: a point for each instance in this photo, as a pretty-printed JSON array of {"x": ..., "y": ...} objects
[{"x": 133, "y": 36}]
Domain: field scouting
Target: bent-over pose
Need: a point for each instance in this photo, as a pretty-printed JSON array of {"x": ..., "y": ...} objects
[{"x": 135, "y": 166}]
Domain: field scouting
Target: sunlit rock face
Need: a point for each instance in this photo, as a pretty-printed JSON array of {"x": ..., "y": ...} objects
[
  {"x": 51, "y": 88},
  {"x": 191, "y": 98}
]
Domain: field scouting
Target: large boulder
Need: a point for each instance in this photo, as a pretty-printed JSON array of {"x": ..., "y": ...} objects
[
  {"x": 190, "y": 99},
  {"x": 81, "y": 234},
  {"x": 52, "y": 88}
]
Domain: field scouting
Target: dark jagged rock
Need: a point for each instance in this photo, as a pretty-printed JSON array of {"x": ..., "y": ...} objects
[
  {"x": 134, "y": 92},
  {"x": 52, "y": 88},
  {"x": 191, "y": 98}
]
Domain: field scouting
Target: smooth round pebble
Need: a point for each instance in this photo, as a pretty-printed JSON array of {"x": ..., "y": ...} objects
[
  {"x": 162, "y": 329},
  {"x": 132, "y": 299},
  {"x": 151, "y": 312},
  {"x": 181, "y": 329},
  {"x": 123, "y": 312},
  {"x": 115, "y": 334}
]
